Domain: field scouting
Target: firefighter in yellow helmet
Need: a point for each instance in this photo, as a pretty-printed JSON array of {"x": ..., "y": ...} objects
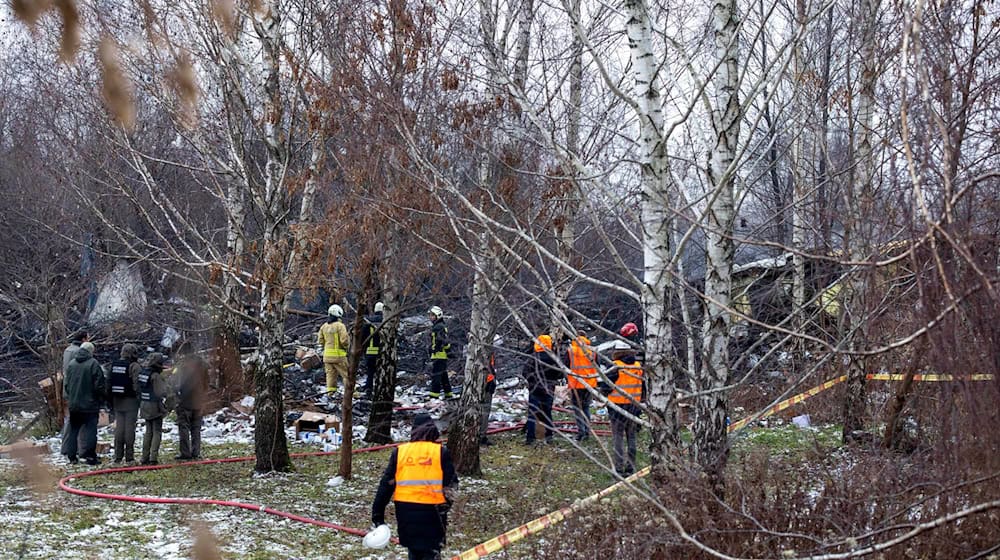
[
  {"x": 419, "y": 479},
  {"x": 334, "y": 340}
]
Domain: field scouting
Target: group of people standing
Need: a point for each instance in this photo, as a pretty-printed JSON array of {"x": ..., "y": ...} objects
[
  {"x": 131, "y": 388},
  {"x": 420, "y": 476},
  {"x": 621, "y": 382},
  {"x": 334, "y": 343}
]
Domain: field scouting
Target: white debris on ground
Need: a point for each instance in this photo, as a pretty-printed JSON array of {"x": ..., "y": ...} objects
[{"x": 37, "y": 526}]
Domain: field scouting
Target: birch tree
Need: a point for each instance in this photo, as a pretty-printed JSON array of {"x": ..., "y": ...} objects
[{"x": 712, "y": 448}]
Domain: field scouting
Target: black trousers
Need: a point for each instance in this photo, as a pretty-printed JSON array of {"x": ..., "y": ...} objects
[
  {"x": 414, "y": 554},
  {"x": 439, "y": 377}
]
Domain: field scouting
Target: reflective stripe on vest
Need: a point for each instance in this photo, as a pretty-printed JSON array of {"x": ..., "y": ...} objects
[
  {"x": 372, "y": 349},
  {"x": 441, "y": 354},
  {"x": 419, "y": 476},
  {"x": 493, "y": 367},
  {"x": 332, "y": 348},
  {"x": 581, "y": 365},
  {"x": 629, "y": 384}
]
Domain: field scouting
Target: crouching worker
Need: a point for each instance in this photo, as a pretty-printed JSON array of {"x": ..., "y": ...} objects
[
  {"x": 419, "y": 479},
  {"x": 153, "y": 406}
]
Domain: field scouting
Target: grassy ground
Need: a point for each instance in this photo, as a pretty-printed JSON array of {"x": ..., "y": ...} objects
[{"x": 519, "y": 484}]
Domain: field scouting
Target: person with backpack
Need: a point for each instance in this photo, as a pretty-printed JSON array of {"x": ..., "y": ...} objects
[
  {"x": 123, "y": 388},
  {"x": 155, "y": 401},
  {"x": 191, "y": 387}
]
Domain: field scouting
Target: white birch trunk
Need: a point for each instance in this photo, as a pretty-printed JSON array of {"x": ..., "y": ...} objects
[
  {"x": 853, "y": 296},
  {"x": 711, "y": 441},
  {"x": 269, "y": 434},
  {"x": 657, "y": 220},
  {"x": 569, "y": 205},
  {"x": 799, "y": 189},
  {"x": 463, "y": 438}
]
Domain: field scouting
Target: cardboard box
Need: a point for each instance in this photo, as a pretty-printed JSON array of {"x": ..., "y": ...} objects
[
  {"x": 23, "y": 448},
  {"x": 310, "y": 361},
  {"x": 311, "y": 421}
]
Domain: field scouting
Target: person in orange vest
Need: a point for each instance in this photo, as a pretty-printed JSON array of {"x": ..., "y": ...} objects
[
  {"x": 582, "y": 374},
  {"x": 333, "y": 341},
  {"x": 491, "y": 387},
  {"x": 542, "y": 375},
  {"x": 627, "y": 393},
  {"x": 419, "y": 479}
]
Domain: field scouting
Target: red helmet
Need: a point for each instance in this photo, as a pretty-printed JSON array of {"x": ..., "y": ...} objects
[{"x": 628, "y": 329}]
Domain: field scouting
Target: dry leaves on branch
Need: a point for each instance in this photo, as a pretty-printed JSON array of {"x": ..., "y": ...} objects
[
  {"x": 185, "y": 85},
  {"x": 116, "y": 88},
  {"x": 224, "y": 12},
  {"x": 70, "y": 41},
  {"x": 29, "y": 11},
  {"x": 206, "y": 545}
]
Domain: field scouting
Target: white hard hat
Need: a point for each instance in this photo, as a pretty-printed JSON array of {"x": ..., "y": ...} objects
[
  {"x": 379, "y": 306},
  {"x": 378, "y": 537},
  {"x": 335, "y": 311},
  {"x": 436, "y": 311},
  {"x": 622, "y": 345},
  {"x": 497, "y": 340}
]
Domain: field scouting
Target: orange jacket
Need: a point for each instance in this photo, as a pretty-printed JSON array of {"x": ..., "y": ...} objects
[
  {"x": 583, "y": 373},
  {"x": 629, "y": 384},
  {"x": 419, "y": 477}
]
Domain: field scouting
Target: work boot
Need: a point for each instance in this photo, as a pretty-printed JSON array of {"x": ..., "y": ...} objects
[
  {"x": 93, "y": 461},
  {"x": 182, "y": 457},
  {"x": 485, "y": 442},
  {"x": 73, "y": 460},
  {"x": 434, "y": 395},
  {"x": 449, "y": 395}
]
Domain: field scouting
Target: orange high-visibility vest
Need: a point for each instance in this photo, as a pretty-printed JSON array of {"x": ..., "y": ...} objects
[
  {"x": 629, "y": 384},
  {"x": 543, "y": 343},
  {"x": 419, "y": 477},
  {"x": 493, "y": 366},
  {"x": 581, "y": 364}
]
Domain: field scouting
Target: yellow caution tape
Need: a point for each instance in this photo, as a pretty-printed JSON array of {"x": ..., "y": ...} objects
[
  {"x": 930, "y": 377},
  {"x": 537, "y": 525}
]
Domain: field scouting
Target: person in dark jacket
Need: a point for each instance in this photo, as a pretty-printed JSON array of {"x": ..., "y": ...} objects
[
  {"x": 420, "y": 478},
  {"x": 373, "y": 346},
  {"x": 155, "y": 401},
  {"x": 84, "y": 392},
  {"x": 68, "y": 354},
  {"x": 191, "y": 387},
  {"x": 542, "y": 375},
  {"x": 486, "y": 405},
  {"x": 123, "y": 386},
  {"x": 439, "y": 354}
]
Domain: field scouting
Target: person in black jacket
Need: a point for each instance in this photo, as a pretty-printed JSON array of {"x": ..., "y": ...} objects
[
  {"x": 373, "y": 346},
  {"x": 542, "y": 375},
  {"x": 123, "y": 384},
  {"x": 419, "y": 479},
  {"x": 439, "y": 354}
]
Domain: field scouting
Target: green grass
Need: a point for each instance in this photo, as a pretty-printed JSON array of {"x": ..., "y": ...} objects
[
  {"x": 519, "y": 483},
  {"x": 788, "y": 440}
]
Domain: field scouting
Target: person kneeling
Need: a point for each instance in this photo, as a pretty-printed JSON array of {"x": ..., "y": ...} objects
[{"x": 420, "y": 478}]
